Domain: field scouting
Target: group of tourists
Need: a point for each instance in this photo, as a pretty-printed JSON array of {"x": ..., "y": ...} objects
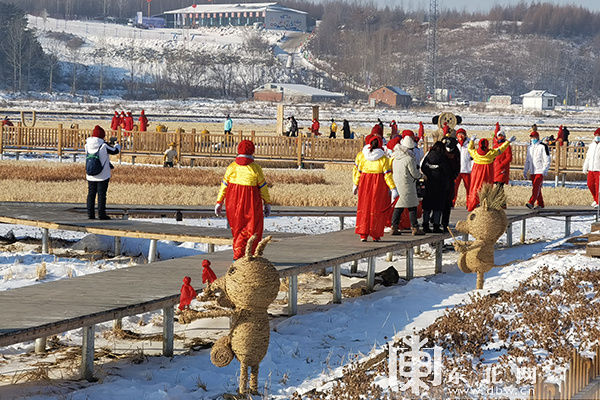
[
  {"x": 291, "y": 129},
  {"x": 125, "y": 122}
]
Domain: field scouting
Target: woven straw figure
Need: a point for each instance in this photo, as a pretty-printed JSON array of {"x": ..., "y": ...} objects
[
  {"x": 446, "y": 123},
  {"x": 486, "y": 223},
  {"x": 250, "y": 286}
]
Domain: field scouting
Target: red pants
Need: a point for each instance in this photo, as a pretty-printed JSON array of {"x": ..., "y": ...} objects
[
  {"x": 592, "y": 182},
  {"x": 536, "y": 192},
  {"x": 466, "y": 179}
]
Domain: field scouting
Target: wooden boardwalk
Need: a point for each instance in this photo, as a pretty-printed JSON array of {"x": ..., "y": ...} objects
[{"x": 49, "y": 308}]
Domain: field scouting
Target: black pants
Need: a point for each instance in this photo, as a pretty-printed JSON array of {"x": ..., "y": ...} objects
[
  {"x": 412, "y": 214},
  {"x": 168, "y": 164},
  {"x": 437, "y": 215},
  {"x": 99, "y": 188}
]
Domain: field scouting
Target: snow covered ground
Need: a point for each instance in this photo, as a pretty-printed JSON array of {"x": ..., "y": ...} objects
[{"x": 305, "y": 350}]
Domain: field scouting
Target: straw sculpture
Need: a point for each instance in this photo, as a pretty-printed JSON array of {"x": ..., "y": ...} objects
[
  {"x": 486, "y": 224},
  {"x": 250, "y": 286}
]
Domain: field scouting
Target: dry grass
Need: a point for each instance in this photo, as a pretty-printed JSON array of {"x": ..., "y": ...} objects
[
  {"x": 331, "y": 186},
  {"x": 41, "y": 271}
]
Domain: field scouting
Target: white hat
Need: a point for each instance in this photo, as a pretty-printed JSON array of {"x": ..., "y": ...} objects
[{"x": 408, "y": 142}]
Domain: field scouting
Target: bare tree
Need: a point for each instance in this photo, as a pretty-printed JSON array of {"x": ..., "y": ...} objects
[{"x": 74, "y": 50}]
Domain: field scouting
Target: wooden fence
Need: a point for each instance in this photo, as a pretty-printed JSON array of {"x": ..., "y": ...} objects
[
  {"x": 580, "y": 373},
  {"x": 196, "y": 145}
]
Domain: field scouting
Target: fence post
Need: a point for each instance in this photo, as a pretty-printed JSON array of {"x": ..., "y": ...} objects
[
  {"x": 60, "y": 141},
  {"x": 252, "y": 135},
  {"x": 556, "y": 164},
  {"x": 179, "y": 144},
  {"x": 1, "y": 139},
  {"x": 240, "y": 135},
  {"x": 193, "y": 142},
  {"x": 299, "y": 150},
  {"x": 19, "y": 135}
]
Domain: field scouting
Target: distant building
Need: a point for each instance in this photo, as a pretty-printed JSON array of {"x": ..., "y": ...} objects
[
  {"x": 296, "y": 93},
  {"x": 539, "y": 100},
  {"x": 500, "y": 101},
  {"x": 445, "y": 95},
  {"x": 392, "y": 96},
  {"x": 267, "y": 15}
]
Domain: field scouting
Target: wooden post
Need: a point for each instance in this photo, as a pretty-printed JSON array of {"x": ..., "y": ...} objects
[
  {"x": 354, "y": 267},
  {"x": 211, "y": 248},
  {"x": 40, "y": 345},
  {"x": 293, "y": 295},
  {"x": 19, "y": 135},
  {"x": 409, "y": 263},
  {"x": 280, "y": 118},
  {"x": 179, "y": 144},
  {"x": 193, "y": 144},
  {"x": 117, "y": 246},
  {"x": 567, "y": 226},
  {"x": 371, "y": 273},
  {"x": 252, "y": 135},
  {"x": 523, "y": 230},
  {"x": 45, "y": 240},
  {"x": 240, "y": 136},
  {"x": 117, "y": 324},
  {"x": 152, "y": 251},
  {"x": 2, "y": 139},
  {"x": 509, "y": 237},
  {"x": 389, "y": 256},
  {"x": 87, "y": 353},
  {"x": 299, "y": 150},
  {"x": 337, "y": 284},
  {"x": 168, "y": 331},
  {"x": 119, "y": 138},
  {"x": 60, "y": 143},
  {"x": 341, "y": 223},
  {"x": 438, "y": 256},
  {"x": 315, "y": 112}
]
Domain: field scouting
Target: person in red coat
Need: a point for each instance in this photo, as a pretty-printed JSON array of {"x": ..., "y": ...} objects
[
  {"x": 314, "y": 128},
  {"x": 560, "y": 136},
  {"x": 187, "y": 293},
  {"x": 421, "y": 131},
  {"x": 502, "y": 161},
  {"x": 394, "y": 130},
  {"x": 114, "y": 123},
  {"x": 208, "y": 276},
  {"x": 143, "y": 122},
  {"x": 129, "y": 122},
  {"x": 122, "y": 120}
]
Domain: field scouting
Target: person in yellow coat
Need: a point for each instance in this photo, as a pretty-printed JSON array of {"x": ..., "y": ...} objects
[
  {"x": 246, "y": 197},
  {"x": 483, "y": 167},
  {"x": 373, "y": 181}
]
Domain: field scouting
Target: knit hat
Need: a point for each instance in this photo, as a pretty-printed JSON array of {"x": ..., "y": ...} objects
[
  {"x": 483, "y": 147},
  {"x": 187, "y": 280},
  {"x": 408, "y": 132},
  {"x": 534, "y": 134},
  {"x": 246, "y": 147},
  {"x": 597, "y": 132},
  {"x": 98, "y": 132},
  {"x": 461, "y": 131},
  {"x": 373, "y": 141},
  {"x": 392, "y": 143},
  {"x": 408, "y": 142},
  {"x": 376, "y": 131},
  {"x": 501, "y": 133}
]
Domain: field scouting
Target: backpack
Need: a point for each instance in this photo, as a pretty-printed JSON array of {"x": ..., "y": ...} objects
[{"x": 93, "y": 166}]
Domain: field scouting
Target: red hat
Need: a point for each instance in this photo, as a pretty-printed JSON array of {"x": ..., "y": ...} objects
[
  {"x": 461, "y": 131},
  {"x": 207, "y": 273},
  {"x": 142, "y": 112},
  {"x": 534, "y": 134},
  {"x": 128, "y": 112},
  {"x": 246, "y": 147},
  {"x": 392, "y": 143},
  {"x": 187, "y": 280},
  {"x": 116, "y": 113},
  {"x": 483, "y": 147},
  {"x": 408, "y": 132},
  {"x": 373, "y": 141},
  {"x": 376, "y": 131},
  {"x": 98, "y": 132},
  {"x": 205, "y": 263},
  {"x": 597, "y": 132}
]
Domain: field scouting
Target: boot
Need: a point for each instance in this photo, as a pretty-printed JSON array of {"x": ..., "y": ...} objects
[
  {"x": 426, "y": 228},
  {"x": 437, "y": 229},
  {"x": 416, "y": 231},
  {"x": 396, "y": 232}
]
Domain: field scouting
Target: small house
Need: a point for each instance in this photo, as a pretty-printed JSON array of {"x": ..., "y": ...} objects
[
  {"x": 539, "y": 100},
  {"x": 294, "y": 93},
  {"x": 391, "y": 96}
]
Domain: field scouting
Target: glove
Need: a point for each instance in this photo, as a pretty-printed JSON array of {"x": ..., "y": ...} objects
[
  {"x": 218, "y": 209},
  {"x": 267, "y": 210},
  {"x": 524, "y": 174},
  {"x": 355, "y": 190},
  {"x": 395, "y": 194},
  {"x": 512, "y": 139},
  {"x": 473, "y": 138}
]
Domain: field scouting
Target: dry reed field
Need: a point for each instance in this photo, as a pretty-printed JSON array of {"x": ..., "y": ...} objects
[{"x": 332, "y": 186}]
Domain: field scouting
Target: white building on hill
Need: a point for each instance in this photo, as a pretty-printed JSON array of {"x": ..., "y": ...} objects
[
  {"x": 295, "y": 93},
  {"x": 268, "y": 15},
  {"x": 539, "y": 100}
]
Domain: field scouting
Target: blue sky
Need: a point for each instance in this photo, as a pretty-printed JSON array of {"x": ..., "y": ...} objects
[{"x": 480, "y": 5}]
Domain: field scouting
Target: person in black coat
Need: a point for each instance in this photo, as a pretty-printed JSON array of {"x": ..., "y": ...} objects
[
  {"x": 294, "y": 127},
  {"x": 453, "y": 155},
  {"x": 346, "y": 130},
  {"x": 436, "y": 169}
]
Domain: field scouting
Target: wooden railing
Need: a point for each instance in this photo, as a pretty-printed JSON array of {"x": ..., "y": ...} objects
[
  {"x": 194, "y": 144},
  {"x": 580, "y": 373}
]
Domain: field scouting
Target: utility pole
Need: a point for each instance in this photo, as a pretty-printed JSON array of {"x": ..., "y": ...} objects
[{"x": 431, "y": 76}]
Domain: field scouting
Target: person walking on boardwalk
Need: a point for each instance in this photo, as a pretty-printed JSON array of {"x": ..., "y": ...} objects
[
  {"x": 591, "y": 166},
  {"x": 502, "y": 162},
  {"x": 143, "y": 121},
  {"x": 115, "y": 122},
  {"x": 228, "y": 125},
  {"x": 98, "y": 170},
  {"x": 170, "y": 156},
  {"x": 294, "y": 127},
  {"x": 483, "y": 167},
  {"x": 332, "y": 129},
  {"x": 537, "y": 163},
  {"x": 436, "y": 168},
  {"x": 373, "y": 180},
  {"x": 246, "y": 197},
  {"x": 406, "y": 173},
  {"x": 466, "y": 164},
  {"x": 346, "y": 130}
]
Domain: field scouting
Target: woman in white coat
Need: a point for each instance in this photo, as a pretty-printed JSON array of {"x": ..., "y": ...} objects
[
  {"x": 96, "y": 148},
  {"x": 405, "y": 172},
  {"x": 591, "y": 166}
]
